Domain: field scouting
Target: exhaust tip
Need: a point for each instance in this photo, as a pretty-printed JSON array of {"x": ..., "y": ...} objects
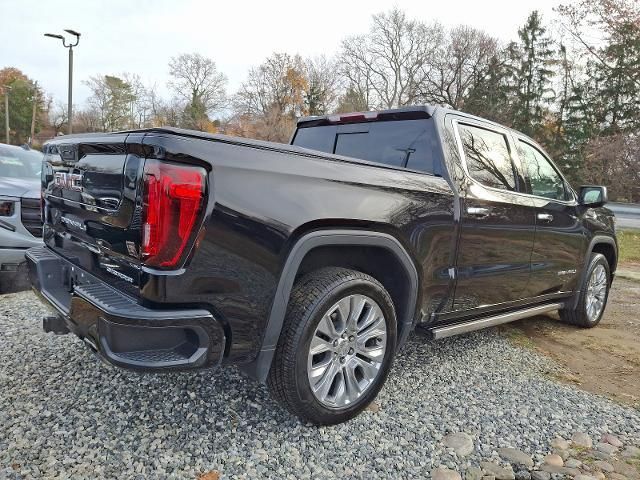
[{"x": 54, "y": 324}]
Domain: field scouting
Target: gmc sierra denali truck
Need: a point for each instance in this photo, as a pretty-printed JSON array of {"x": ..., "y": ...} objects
[{"x": 308, "y": 265}]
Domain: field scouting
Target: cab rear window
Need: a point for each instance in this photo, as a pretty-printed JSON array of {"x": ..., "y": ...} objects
[{"x": 404, "y": 143}]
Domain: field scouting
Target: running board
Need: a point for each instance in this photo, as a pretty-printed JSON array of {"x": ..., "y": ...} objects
[{"x": 480, "y": 323}]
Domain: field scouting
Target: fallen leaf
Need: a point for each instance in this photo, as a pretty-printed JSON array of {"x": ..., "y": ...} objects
[
  {"x": 373, "y": 407},
  {"x": 212, "y": 475}
]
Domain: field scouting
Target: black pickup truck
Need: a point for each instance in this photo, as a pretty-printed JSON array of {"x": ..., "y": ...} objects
[{"x": 308, "y": 265}]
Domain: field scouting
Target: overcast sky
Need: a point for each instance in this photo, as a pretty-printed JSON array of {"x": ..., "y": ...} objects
[{"x": 139, "y": 36}]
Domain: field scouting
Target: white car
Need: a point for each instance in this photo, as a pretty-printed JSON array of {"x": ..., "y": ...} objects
[{"x": 20, "y": 219}]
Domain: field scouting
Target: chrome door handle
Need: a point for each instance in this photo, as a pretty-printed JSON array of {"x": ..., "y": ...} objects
[
  {"x": 478, "y": 211},
  {"x": 545, "y": 217}
]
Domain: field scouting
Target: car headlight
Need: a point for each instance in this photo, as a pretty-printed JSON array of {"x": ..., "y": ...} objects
[{"x": 7, "y": 207}]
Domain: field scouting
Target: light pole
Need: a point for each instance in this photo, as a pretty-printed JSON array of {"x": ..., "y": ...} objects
[
  {"x": 70, "y": 47},
  {"x": 6, "y": 89}
]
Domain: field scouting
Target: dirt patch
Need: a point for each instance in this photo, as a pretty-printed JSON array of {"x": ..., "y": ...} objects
[{"x": 603, "y": 360}]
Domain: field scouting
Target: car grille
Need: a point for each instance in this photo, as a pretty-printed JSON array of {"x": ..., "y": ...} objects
[{"x": 31, "y": 216}]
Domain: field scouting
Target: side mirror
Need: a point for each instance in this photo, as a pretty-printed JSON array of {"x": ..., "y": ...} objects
[{"x": 593, "y": 196}]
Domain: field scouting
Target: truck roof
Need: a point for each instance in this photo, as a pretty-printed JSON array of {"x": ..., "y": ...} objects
[{"x": 413, "y": 112}]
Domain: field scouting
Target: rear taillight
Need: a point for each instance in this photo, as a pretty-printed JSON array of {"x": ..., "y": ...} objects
[{"x": 172, "y": 207}]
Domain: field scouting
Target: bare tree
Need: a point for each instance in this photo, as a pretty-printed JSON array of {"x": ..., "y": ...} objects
[
  {"x": 58, "y": 117},
  {"x": 386, "y": 66},
  {"x": 460, "y": 62},
  {"x": 87, "y": 120},
  {"x": 111, "y": 98},
  {"x": 198, "y": 82},
  {"x": 588, "y": 21},
  {"x": 352, "y": 100},
  {"x": 277, "y": 84},
  {"x": 99, "y": 99},
  {"x": 355, "y": 61},
  {"x": 138, "y": 107},
  {"x": 159, "y": 111},
  {"x": 273, "y": 96},
  {"x": 170, "y": 112},
  {"x": 615, "y": 161},
  {"x": 154, "y": 104},
  {"x": 323, "y": 85}
]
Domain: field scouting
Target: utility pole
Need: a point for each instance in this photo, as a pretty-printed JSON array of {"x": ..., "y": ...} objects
[
  {"x": 70, "y": 94},
  {"x": 6, "y": 89},
  {"x": 33, "y": 113}
]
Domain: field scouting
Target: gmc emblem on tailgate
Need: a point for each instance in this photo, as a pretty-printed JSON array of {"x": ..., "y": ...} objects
[{"x": 70, "y": 181}]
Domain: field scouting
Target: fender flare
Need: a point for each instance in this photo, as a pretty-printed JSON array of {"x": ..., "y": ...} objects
[
  {"x": 594, "y": 241},
  {"x": 259, "y": 368}
]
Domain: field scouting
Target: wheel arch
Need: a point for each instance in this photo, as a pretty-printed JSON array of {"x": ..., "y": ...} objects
[
  {"x": 610, "y": 252},
  {"x": 330, "y": 239},
  {"x": 605, "y": 245}
]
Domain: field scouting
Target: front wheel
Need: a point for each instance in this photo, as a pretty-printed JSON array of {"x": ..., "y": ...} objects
[
  {"x": 594, "y": 293},
  {"x": 336, "y": 347}
]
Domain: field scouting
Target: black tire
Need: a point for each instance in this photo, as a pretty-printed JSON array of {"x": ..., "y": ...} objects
[
  {"x": 579, "y": 316},
  {"x": 312, "y": 296}
]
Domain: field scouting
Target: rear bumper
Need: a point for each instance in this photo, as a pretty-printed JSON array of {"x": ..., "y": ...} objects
[
  {"x": 119, "y": 329},
  {"x": 10, "y": 258}
]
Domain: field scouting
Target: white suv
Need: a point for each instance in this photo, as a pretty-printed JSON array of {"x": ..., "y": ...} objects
[{"x": 20, "y": 220}]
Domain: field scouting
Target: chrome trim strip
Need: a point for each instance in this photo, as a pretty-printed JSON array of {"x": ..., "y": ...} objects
[
  {"x": 470, "y": 326},
  {"x": 515, "y": 136}
]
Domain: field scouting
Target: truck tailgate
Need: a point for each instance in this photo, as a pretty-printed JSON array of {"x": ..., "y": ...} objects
[{"x": 91, "y": 198}]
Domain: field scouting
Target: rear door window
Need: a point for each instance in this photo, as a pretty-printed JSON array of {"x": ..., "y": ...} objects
[
  {"x": 403, "y": 143},
  {"x": 487, "y": 156}
]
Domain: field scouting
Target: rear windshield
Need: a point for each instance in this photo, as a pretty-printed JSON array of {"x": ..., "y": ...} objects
[
  {"x": 18, "y": 163},
  {"x": 402, "y": 143}
]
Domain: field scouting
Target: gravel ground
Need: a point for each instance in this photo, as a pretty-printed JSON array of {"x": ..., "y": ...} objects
[{"x": 65, "y": 415}]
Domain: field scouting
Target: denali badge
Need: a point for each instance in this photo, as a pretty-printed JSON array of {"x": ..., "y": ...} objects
[
  {"x": 567, "y": 272},
  {"x": 70, "y": 181},
  {"x": 118, "y": 274}
]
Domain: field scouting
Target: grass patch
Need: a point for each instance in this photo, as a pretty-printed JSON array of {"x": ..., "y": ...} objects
[
  {"x": 629, "y": 244},
  {"x": 580, "y": 448},
  {"x": 634, "y": 462},
  {"x": 564, "y": 377},
  {"x": 518, "y": 337}
]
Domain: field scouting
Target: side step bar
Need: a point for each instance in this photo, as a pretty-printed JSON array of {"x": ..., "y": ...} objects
[{"x": 480, "y": 323}]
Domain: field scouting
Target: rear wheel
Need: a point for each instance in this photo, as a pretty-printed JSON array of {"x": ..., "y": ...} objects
[
  {"x": 593, "y": 294},
  {"x": 336, "y": 347}
]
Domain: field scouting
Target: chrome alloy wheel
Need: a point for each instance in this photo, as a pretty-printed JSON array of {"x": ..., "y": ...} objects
[
  {"x": 596, "y": 292},
  {"x": 346, "y": 351}
]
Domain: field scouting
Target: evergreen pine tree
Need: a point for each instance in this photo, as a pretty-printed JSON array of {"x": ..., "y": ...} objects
[
  {"x": 532, "y": 80},
  {"x": 619, "y": 80}
]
